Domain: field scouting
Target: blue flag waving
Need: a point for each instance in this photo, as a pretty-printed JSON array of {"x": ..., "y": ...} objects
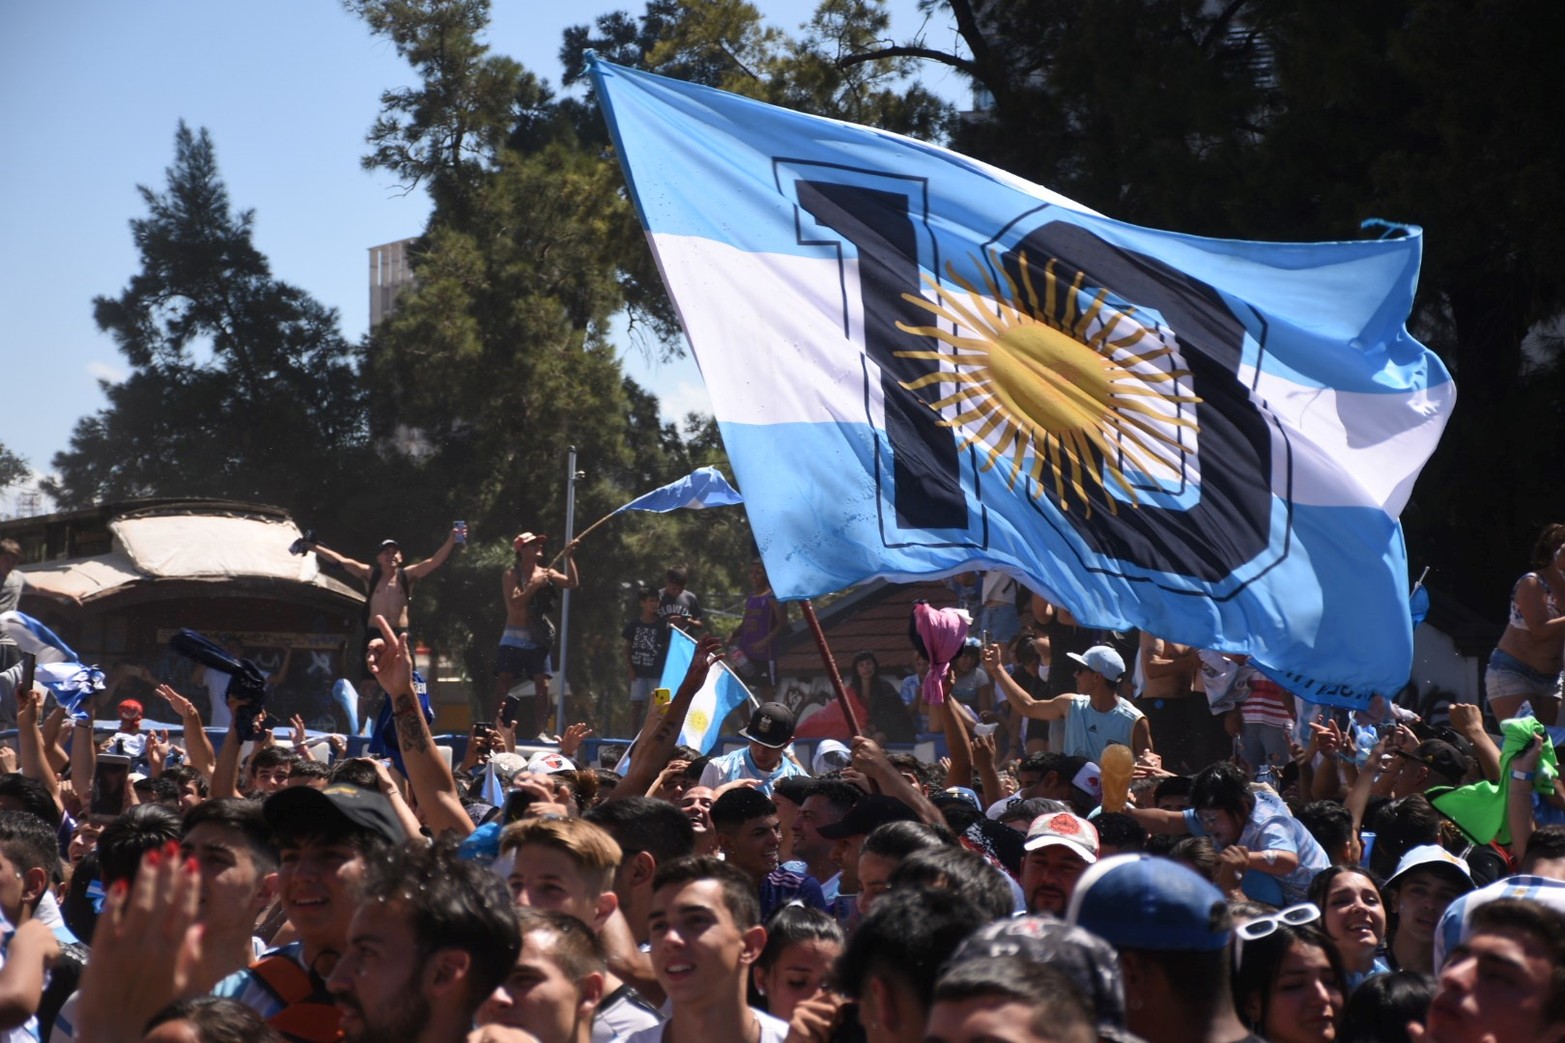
[
  {"x": 921, "y": 364},
  {"x": 703, "y": 487}
]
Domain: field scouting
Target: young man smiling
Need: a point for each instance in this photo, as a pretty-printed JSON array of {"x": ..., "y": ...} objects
[
  {"x": 706, "y": 933},
  {"x": 567, "y": 866},
  {"x": 555, "y": 989},
  {"x": 324, "y": 838}
]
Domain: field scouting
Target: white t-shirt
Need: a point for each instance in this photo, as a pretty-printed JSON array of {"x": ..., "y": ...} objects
[{"x": 773, "y": 1030}]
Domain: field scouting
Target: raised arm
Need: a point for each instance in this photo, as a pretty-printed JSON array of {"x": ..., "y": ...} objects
[
  {"x": 423, "y": 568},
  {"x": 29, "y": 707},
  {"x": 1038, "y": 709},
  {"x": 569, "y": 579},
  {"x": 225, "y": 772},
  {"x": 357, "y": 569},
  {"x": 434, "y": 787},
  {"x": 198, "y": 748}
]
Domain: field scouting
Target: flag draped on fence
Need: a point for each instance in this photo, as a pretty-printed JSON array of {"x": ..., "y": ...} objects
[
  {"x": 722, "y": 693},
  {"x": 921, "y": 364}
]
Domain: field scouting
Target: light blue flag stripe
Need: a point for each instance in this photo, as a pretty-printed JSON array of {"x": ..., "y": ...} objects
[
  {"x": 703, "y": 487},
  {"x": 720, "y": 696},
  {"x": 921, "y": 364}
]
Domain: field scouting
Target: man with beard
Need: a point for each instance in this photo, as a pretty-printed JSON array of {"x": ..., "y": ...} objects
[
  {"x": 1059, "y": 849},
  {"x": 431, "y": 940}
]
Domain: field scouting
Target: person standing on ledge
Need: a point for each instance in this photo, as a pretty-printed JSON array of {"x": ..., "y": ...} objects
[{"x": 530, "y": 590}]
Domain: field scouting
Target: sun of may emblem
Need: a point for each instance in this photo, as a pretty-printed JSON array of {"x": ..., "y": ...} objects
[{"x": 1068, "y": 385}]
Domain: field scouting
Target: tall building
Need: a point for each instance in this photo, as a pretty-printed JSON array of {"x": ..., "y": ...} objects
[{"x": 390, "y": 273}]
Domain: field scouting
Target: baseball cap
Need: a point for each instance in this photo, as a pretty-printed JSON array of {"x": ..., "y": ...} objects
[
  {"x": 545, "y": 762},
  {"x": 1087, "y": 960},
  {"x": 1144, "y": 902},
  {"x": 1062, "y": 829},
  {"x": 388, "y": 543},
  {"x": 340, "y": 807},
  {"x": 1103, "y": 660},
  {"x": 771, "y": 725},
  {"x": 873, "y": 810},
  {"x": 1433, "y": 856},
  {"x": 1440, "y": 757},
  {"x": 527, "y": 537}
]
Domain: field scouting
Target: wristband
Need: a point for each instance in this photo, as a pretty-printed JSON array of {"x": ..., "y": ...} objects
[{"x": 1523, "y": 776}]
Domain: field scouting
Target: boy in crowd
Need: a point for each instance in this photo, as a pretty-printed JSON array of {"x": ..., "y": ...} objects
[
  {"x": 556, "y": 987},
  {"x": 232, "y": 846},
  {"x": 325, "y": 840},
  {"x": 750, "y": 837},
  {"x": 646, "y": 646},
  {"x": 706, "y": 933},
  {"x": 567, "y": 866}
]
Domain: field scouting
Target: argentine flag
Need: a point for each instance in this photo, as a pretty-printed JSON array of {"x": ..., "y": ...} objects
[
  {"x": 704, "y": 487},
  {"x": 921, "y": 365},
  {"x": 720, "y": 696}
]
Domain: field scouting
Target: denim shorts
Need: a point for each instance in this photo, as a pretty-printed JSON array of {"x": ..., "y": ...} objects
[{"x": 1509, "y": 677}]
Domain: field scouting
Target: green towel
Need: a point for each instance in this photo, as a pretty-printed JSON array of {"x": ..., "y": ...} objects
[{"x": 1479, "y": 809}]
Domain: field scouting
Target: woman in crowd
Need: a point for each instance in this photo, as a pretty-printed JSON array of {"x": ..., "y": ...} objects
[
  {"x": 1287, "y": 978},
  {"x": 1525, "y": 666},
  {"x": 1353, "y": 917},
  {"x": 888, "y": 714},
  {"x": 802, "y": 944}
]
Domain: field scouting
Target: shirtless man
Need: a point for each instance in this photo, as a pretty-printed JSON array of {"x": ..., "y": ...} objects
[
  {"x": 1187, "y": 734},
  {"x": 529, "y": 590},
  {"x": 389, "y": 586}
]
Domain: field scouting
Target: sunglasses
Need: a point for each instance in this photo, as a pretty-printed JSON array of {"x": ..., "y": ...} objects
[{"x": 1264, "y": 926}]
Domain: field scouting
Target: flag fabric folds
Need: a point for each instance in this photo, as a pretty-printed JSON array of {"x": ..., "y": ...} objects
[
  {"x": 720, "y": 696},
  {"x": 30, "y": 635},
  {"x": 921, "y": 364},
  {"x": 703, "y": 487}
]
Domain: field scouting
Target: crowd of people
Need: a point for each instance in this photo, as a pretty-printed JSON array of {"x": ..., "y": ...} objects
[{"x": 1124, "y": 840}]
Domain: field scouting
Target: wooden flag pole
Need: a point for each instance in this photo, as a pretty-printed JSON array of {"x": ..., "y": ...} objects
[{"x": 831, "y": 667}]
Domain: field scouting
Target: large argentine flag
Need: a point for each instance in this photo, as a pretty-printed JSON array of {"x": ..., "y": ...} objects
[
  {"x": 720, "y": 696},
  {"x": 922, "y": 364}
]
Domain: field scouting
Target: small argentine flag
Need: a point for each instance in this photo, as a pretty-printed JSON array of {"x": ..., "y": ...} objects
[
  {"x": 703, "y": 487},
  {"x": 722, "y": 693}
]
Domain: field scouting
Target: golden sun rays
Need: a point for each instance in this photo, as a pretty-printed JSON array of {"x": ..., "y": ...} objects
[{"x": 1062, "y": 388}]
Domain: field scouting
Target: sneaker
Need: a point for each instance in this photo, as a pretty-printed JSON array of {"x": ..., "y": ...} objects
[{"x": 545, "y": 737}]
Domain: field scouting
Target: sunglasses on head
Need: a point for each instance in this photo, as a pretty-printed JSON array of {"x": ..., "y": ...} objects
[{"x": 1263, "y": 926}]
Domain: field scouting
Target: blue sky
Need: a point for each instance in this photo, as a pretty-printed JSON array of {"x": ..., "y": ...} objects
[{"x": 95, "y": 90}]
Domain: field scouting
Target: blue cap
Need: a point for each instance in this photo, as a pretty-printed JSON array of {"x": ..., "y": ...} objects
[
  {"x": 1101, "y": 659},
  {"x": 1145, "y": 902}
]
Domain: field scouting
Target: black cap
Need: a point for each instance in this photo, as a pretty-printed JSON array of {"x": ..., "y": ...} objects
[
  {"x": 771, "y": 725},
  {"x": 795, "y": 788},
  {"x": 871, "y": 811},
  {"x": 340, "y": 807},
  {"x": 1441, "y": 758},
  {"x": 389, "y": 543}
]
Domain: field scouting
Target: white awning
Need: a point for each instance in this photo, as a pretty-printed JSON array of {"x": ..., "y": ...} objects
[{"x": 199, "y": 547}]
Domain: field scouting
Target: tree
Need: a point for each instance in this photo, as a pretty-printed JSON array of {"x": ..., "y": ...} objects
[
  {"x": 241, "y": 385},
  {"x": 1275, "y": 119},
  {"x": 13, "y": 468}
]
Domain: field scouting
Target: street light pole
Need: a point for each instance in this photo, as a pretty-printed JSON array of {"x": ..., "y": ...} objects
[{"x": 571, "y": 475}]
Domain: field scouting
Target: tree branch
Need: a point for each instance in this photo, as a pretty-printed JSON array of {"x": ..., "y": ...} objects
[{"x": 926, "y": 53}]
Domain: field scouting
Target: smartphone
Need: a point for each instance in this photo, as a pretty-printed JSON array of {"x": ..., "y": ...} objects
[
  {"x": 661, "y": 698},
  {"x": 516, "y": 804},
  {"x": 29, "y": 668},
  {"x": 461, "y": 532},
  {"x": 108, "y": 785},
  {"x": 985, "y": 638},
  {"x": 508, "y": 707}
]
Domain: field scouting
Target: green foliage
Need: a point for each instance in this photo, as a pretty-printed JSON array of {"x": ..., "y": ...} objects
[
  {"x": 241, "y": 384},
  {"x": 13, "y": 468}
]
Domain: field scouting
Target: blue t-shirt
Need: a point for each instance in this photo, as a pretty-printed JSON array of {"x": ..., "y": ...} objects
[{"x": 1272, "y": 827}]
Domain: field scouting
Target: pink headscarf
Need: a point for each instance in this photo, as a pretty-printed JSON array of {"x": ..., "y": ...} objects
[{"x": 942, "y": 630}]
